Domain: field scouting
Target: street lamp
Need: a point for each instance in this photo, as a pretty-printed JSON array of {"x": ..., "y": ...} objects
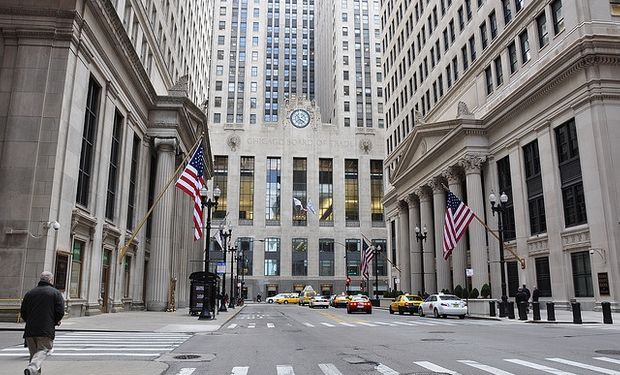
[
  {"x": 209, "y": 204},
  {"x": 225, "y": 234},
  {"x": 233, "y": 252},
  {"x": 500, "y": 208},
  {"x": 421, "y": 238},
  {"x": 377, "y": 251}
]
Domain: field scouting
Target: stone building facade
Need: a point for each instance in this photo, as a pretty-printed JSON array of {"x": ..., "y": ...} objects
[
  {"x": 93, "y": 128},
  {"x": 506, "y": 97}
]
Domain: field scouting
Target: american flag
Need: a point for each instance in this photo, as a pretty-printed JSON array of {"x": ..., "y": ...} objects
[
  {"x": 368, "y": 252},
  {"x": 190, "y": 182},
  {"x": 458, "y": 217}
]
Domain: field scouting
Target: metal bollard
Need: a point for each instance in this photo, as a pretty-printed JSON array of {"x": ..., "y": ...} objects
[
  {"x": 491, "y": 308},
  {"x": 536, "y": 310},
  {"x": 607, "y": 313},
  {"x": 511, "y": 310},
  {"x": 550, "y": 312},
  {"x": 576, "y": 306},
  {"x": 522, "y": 310}
]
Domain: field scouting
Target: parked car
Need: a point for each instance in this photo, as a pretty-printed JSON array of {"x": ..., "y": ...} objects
[
  {"x": 288, "y": 298},
  {"x": 406, "y": 303},
  {"x": 304, "y": 297},
  {"x": 319, "y": 301},
  {"x": 442, "y": 305},
  {"x": 359, "y": 303},
  {"x": 340, "y": 301},
  {"x": 272, "y": 299}
]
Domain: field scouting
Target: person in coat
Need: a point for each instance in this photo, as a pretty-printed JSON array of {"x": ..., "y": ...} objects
[
  {"x": 535, "y": 294},
  {"x": 42, "y": 309}
]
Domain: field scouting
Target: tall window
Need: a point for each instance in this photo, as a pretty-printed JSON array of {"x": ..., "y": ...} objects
[
  {"x": 126, "y": 276},
  {"x": 507, "y": 12},
  {"x": 493, "y": 24},
  {"x": 380, "y": 258},
  {"x": 505, "y": 186},
  {"x": 75, "y": 283},
  {"x": 499, "y": 73},
  {"x": 272, "y": 191},
  {"x": 483, "y": 35},
  {"x": 488, "y": 77},
  {"x": 326, "y": 257},
  {"x": 353, "y": 257},
  {"x": 300, "y": 257},
  {"x": 131, "y": 204},
  {"x": 512, "y": 56},
  {"x": 543, "y": 276},
  {"x": 246, "y": 188},
  {"x": 220, "y": 179},
  {"x": 376, "y": 191},
  {"x": 300, "y": 191},
  {"x": 570, "y": 174},
  {"x": 525, "y": 47},
  {"x": 246, "y": 251},
  {"x": 88, "y": 143},
  {"x": 326, "y": 191},
  {"x": 115, "y": 151},
  {"x": 541, "y": 27},
  {"x": 558, "y": 17},
  {"x": 393, "y": 242},
  {"x": 272, "y": 257},
  {"x": 533, "y": 181},
  {"x": 351, "y": 192},
  {"x": 582, "y": 274}
]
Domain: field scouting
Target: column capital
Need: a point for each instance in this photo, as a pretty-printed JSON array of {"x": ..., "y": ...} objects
[
  {"x": 165, "y": 144},
  {"x": 411, "y": 201},
  {"x": 452, "y": 174},
  {"x": 472, "y": 163},
  {"x": 423, "y": 193},
  {"x": 402, "y": 207},
  {"x": 436, "y": 184}
]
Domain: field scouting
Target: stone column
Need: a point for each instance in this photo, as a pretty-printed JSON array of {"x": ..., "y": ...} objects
[
  {"x": 439, "y": 211},
  {"x": 403, "y": 248},
  {"x": 416, "y": 254},
  {"x": 459, "y": 254},
  {"x": 426, "y": 219},
  {"x": 161, "y": 237},
  {"x": 479, "y": 255}
]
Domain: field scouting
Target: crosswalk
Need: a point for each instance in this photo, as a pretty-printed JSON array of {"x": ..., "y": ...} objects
[
  {"x": 360, "y": 323},
  {"x": 107, "y": 344},
  {"x": 512, "y": 366}
]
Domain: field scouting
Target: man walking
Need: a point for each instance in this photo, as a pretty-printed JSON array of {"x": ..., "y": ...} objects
[{"x": 42, "y": 308}]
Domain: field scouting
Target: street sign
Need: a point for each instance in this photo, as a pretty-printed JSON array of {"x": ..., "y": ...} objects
[
  {"x": 221, "y": 267},
  {"x": 469, "y": 272}
]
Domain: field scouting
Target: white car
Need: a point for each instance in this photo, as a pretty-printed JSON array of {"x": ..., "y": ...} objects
[
  {"x": 272, "y": 299},
  {"x": 442, "y": 305},
  {"x": 319, "y": 301}
]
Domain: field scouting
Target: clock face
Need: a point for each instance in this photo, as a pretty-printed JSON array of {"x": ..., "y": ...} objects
[{"x": 300, "y": 118}]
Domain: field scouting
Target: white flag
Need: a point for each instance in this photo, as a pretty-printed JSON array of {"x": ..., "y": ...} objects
[
  {"x": 311, "y": 207},
  {"x": 298, "y": 204}
]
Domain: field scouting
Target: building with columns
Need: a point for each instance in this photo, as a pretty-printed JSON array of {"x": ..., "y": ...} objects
[
  {"x": 514, "y": 97},
  {"x": 99, "y": 110}
]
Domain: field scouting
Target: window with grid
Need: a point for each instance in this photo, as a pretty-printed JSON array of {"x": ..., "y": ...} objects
[
  {"x": 326, "y": 257},
  {"x": 507, "y": 11},
  {"x": 272, "y": 257},
  {"x": 533, "y": 182},
  {"x": 376, "y": 190},
  {"x": 541, "y": 27},
  {"x": 380, "y": 260},
  {"x": 326, "y": 191},
  {"x": 353, "y": 256},
  {"x": 505, "y": 186},
  {"x": 272, "y": 190},
  {"x": 246, "y": 188},
  {"x": 300, "y": 191},
  {"x": 88, "y": 143},
  {"x": 246, "y": 253},
  {"x": 133, "y": 174},
  {"x": 558, "y": 17},
  {"x": 543, "y": 276},
  {"x": 351, "y": 189},
  {"x": 300, "y": 257},
  {"x": 525, "y": 47},
  {"x": 512, "y": 56},
  {"x": 573, "y": 198},
  {"x": 220, "y": 179},
  {"x": 582, "y": 274},
  {"x": 115, "y": 154}
]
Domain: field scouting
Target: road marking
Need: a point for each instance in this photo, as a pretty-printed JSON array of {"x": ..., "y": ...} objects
[
  {"x": 443, "y": 323},
  {"x": 425, "y": 324},
  {"x": 285, "y": 370},
  {"x": 385, "y": 370},
  {"x": 583, "y": 365},
  {"x": 366, "y": 324},
  {"x": 480, "y": 366},
  {"x": 347, "y": 324},
  {"x": 433, "y": 367},
  {"x": 607, "y": 359},
  {"x": 232, "y": 326},
  {"x": 536, "y": 366},
  {"x": 186, "y": 371},
  {"x": 329, "y": 369},
  {"x": 406, "y": 324},
  {"x": 239, "y": 371},
  {"x": 386, "y": 324},
  {"x": 270, "y": 325},
  {"x": 309, "y": 325},
  {"x": 72, "y": 349},
  {"x": 56, "y": 354},
  {"x": 252, "y": 325},
  {"x": 327, "y": 324}
]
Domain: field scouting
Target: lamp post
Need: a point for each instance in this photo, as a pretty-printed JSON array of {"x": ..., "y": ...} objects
[
  {"x": 421, "y": 238},
  {"x": 377, "y": 250},
  {"x": 500, "y": 208},
  {"x": 225, "y": 234},
  {"x": 208, "y": 204},
  {"x": 233, "y": 252}
]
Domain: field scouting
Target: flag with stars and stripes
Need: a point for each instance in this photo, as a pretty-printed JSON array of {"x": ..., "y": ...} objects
[
  {"x": 458, "y": 217},
  {"x": 191, "y": 182},
  {"x": 368, "y": 252}
]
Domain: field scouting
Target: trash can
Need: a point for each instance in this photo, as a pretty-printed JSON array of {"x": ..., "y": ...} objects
[{"x": 197, "y": 288}]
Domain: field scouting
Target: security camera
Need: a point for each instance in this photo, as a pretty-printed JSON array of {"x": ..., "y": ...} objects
[
  {"x": 591, "y": 252},
  {"x": 55, "y": 225}
]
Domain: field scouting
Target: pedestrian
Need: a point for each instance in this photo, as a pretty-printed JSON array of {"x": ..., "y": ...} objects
[
  {"x": 535, "y": 294},
  {"x": 527, "y": 293},
  {"x": 258, "y": 297},
  {"x": 42, "y": 309}
]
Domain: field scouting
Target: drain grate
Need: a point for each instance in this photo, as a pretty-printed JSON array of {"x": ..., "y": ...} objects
[
  {"x": 608, "y": 352},
  {"x": 432, "y": 340},
  {"x": 186, "y": 356},
  {"x": 440, "y": 332}
]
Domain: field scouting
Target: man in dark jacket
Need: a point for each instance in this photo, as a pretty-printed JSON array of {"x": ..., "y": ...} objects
[{"x": 42, "y": 308}]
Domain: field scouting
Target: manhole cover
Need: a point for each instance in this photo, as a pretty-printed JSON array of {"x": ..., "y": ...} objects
[
  {"x": 432, "y": 340},
  {"x": 186, "y": 356},
  {"x": 608, "y": 352}
]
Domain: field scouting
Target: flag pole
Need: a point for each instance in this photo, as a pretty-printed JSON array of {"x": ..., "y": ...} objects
[{"x": 123, "y": 250}]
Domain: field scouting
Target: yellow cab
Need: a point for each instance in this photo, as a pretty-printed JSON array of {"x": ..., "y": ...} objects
[
  {"x": 306, "y": 295},
  {"x": 288, "y": 298},
  {"x": 406, "y": 303}
]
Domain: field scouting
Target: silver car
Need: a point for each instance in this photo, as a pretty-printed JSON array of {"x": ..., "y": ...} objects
[
  {"x": 442, "y": 305},
  {"x": 319, "y": 301}
]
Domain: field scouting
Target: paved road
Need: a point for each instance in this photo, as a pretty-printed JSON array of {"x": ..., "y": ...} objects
[{"x": 288, "y": 340}]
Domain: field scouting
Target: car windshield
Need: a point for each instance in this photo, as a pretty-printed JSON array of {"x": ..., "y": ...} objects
[
  {"x": 449, "y": 298},
  {"x": 359, "y": 298},
  {"x": 413, "y": 298}
]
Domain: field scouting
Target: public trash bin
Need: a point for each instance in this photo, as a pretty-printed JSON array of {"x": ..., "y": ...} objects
[{"x": 197, "y": 287}]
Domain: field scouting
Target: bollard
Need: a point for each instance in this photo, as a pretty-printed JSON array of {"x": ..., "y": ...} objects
[
  {"x": 536, "y": 310},
  {"x": 550, "y": 311},
  {"x": 511, "y": 310},
  {"x": 522, "y": 308},
  {"x": 491, "y": 308},
  {"x": 607, "y": 313},
  {"x": 576, "y": 306}
]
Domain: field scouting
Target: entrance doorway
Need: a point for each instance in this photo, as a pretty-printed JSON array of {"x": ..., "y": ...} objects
[{"x": 105, "y": 280}]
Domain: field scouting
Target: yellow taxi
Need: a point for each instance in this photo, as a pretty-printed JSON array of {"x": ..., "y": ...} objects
[
  {"x": 340, "y": 300},
  {"x": 406, "y": 303},
  {"x": 288, "y": 298}
]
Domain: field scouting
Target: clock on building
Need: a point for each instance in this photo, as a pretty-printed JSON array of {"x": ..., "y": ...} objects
[{"x": 300, "y": 118}]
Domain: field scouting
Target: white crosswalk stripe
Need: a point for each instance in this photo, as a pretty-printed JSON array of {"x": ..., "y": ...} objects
[
  {"x": 367, "y": 324},
  {"x": 383, "y": 369},
  {"x": 270, "y": 325},
  {"x": 348, "y": 324},
  {"x": 108, "y": 344},
  {"x": 329, "y": 369},
  {"x": 309, "y": 325},
  {"x": 585, "y": 366},
  {"x": 536, "y": 366},
  {"x": 327, "y": 324},
  {"x": 607, "y": 359},
  {"x": 186, "y": 371},
  {"x": 386, "y": 324},
  {"x": 239, "y": 371},
  {"x": 436, "y": 368},
  {"x": 487, "y": 368},
  {"x": 285, "y": 370},
  {"x": 232, "y": 326}
]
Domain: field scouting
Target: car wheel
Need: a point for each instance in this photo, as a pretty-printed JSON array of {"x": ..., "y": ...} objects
[
  {"x": 391, "y": 311},
  {"x": 286, "y": 302},
  {"x": 461, "y": 316},
  {"x": 436, "y": 314},
  {"x": 270, "y": 301},
  {"x": 400, "y": 311},
  {"x": 444, "y": 316},
  {"x": 421, "y": 311}
]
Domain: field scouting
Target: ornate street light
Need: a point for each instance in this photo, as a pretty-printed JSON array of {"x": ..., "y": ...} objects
[
  {"x": 225, "y": 234},
  {"x": 500, "y": 208},
  {"x": 208, "y": 204}
]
